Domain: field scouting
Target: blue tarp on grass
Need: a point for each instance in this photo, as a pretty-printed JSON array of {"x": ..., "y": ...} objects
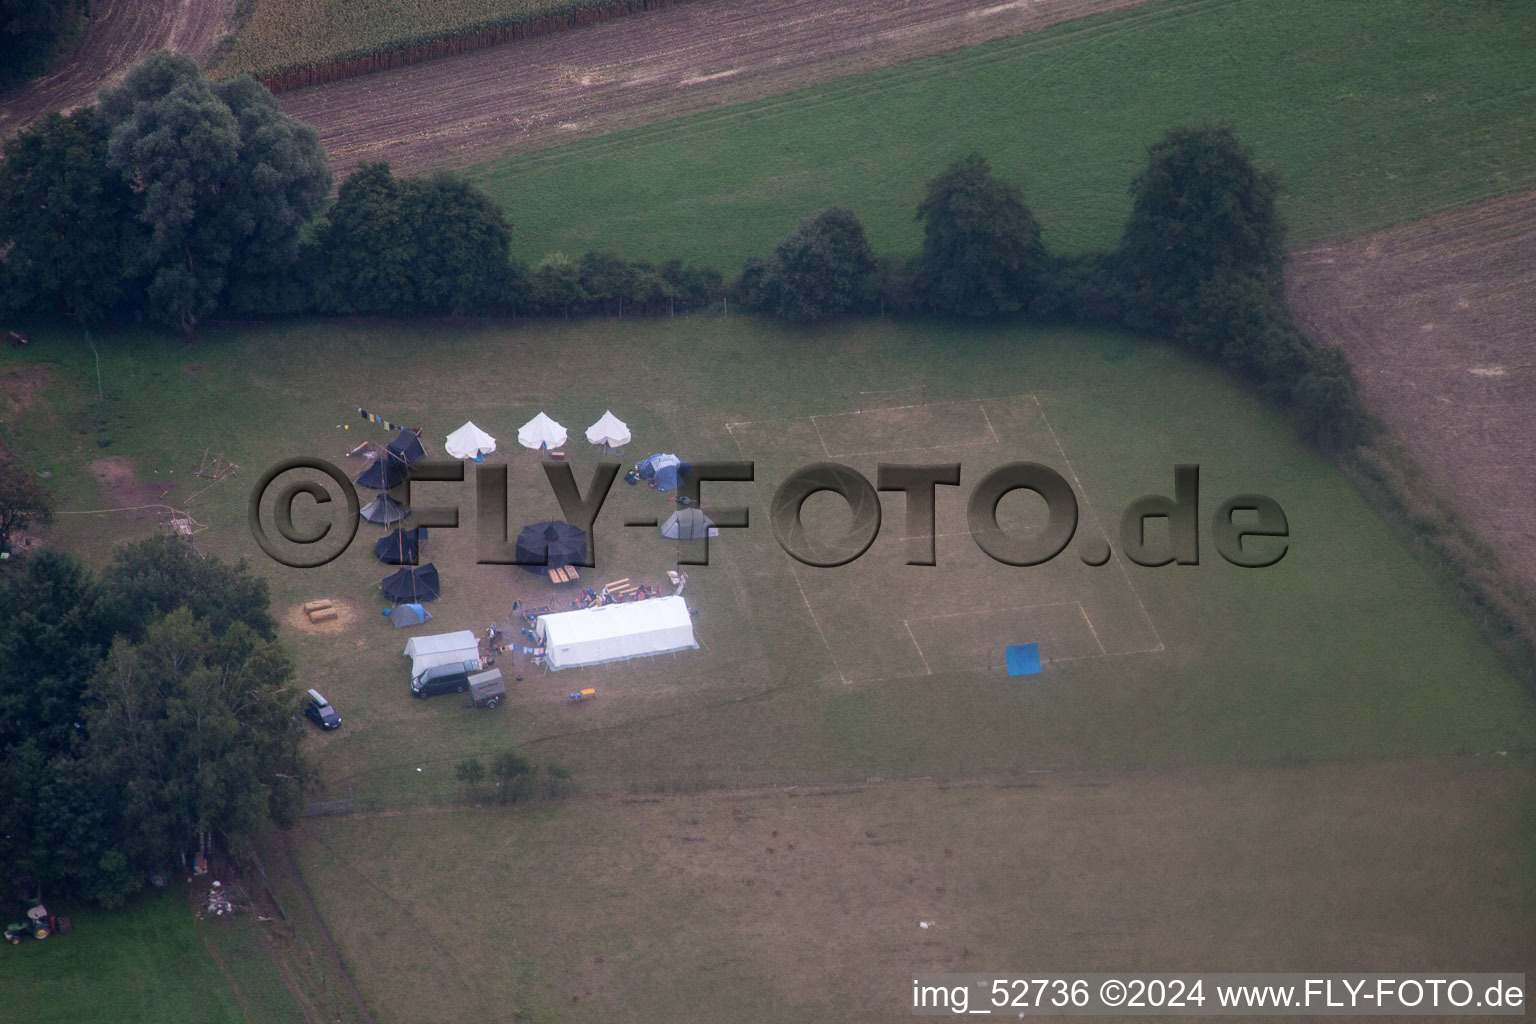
[{"x": 1023, "y": 659}]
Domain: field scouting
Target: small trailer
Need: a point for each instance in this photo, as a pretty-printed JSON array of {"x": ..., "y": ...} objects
[{"x": 487, "y": 688}]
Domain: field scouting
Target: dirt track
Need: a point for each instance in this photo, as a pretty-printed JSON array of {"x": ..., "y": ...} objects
[
  {"x": 1437, "y": 318},
  {"x": 122, "y": 32},
  {"x": 647, "y": 67}
]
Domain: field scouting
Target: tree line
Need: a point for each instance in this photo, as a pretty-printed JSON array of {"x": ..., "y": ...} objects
[
  {"x": 176, "y": 197},
  {"x": 144, "y": 713},
  {"x": 1200, "y": 260}
]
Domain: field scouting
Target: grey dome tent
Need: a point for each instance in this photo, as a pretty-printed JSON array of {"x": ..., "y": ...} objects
[
  {"x": 549, "y": 545},
  {"x": 413, "y": 585},
  {"x": 403, "y": 615},
  {"x": 407, "y": 447},
  {"x": 385, "y": 511},
  {"x": 688, "y": 524},
  {"x": 402, "y": 547},
  {"x": 384, "y": 473}
]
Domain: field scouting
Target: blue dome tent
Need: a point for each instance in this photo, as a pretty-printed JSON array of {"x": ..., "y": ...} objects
[
  {"x": 663, "y": 471},
  {"x": 404, "y": 615}
]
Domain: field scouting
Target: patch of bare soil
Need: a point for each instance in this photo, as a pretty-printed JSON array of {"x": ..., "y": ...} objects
[
  {"x": 121, "y": 33},
  {"x": 20, "y": 386},
  {"x": 1437, "y": 318},
  {"x": 121, "y": 488},
  {"x": 346, "y": 617},
  {"x": 643, "y": 68}
]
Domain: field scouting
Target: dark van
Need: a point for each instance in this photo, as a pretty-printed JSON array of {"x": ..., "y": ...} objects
[
  {"x": 318, "y": 710},
  {"x": 450, "y": 678}
]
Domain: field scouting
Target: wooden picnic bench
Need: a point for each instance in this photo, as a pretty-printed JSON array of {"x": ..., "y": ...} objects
[{"x": 564, "y": 574}]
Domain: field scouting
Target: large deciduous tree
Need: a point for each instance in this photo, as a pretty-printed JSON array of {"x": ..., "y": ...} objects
[
  {"x": 153, "y": 577},
  {"x": 1200, "y": 210},
  {"x": 463, "y": 244},
  {"x": 67, "y": 220},
  {"x": 225, "y": 181},
  {"x": 981, "y": 246},
  {"x": 821, "y": 269},
  {"x": 55, "y": 627},
  {"x": 433, "y": 245},
  {"x": 193, "y": 733}
]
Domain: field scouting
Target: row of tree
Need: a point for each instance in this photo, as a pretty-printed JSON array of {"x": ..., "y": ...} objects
[
  {"x": 143, "y": 712},
  {"x": 177, "y": 197},
  {"x": 1201, "y": 260}
]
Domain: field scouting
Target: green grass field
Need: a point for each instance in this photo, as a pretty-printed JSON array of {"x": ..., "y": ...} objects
[
  {"x": 143, "y": 964},
  {"x": 1371, "y": 113},
  {"x": 1346, "y": 652},
  {"x": 1346, "y": 648},
  {"x": 1318, "y": 765},
  {"x": 784, "y": 906}
]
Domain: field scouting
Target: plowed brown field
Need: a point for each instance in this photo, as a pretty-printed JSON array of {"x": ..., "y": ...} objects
[
  {"x": 121, "y": 33},
  {"x": 1439, "y": 319},
  {"x": 644, "y": 68}
]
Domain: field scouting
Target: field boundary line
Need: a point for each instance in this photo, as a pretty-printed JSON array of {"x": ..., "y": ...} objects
[
  {"x": 988, "y": 420},
  {"x": 819, "y": 437},
  {"x": 1011, "y": 608},
  {"x": 757, "y": 489},
  {"x": 814, "y": 417},
  {"x": 1120, "y": 562},
  {"x": 908, "y": 624},
  {"x": 928, "y": 670},
  {"x": 1095, "y": 632}
]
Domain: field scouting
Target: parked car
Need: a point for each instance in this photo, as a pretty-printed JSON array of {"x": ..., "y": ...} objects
[
  {"x": 450, "y": 678},
  {"x": 318, "y": 710}
]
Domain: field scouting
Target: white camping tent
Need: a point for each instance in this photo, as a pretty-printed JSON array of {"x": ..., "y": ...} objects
[
  {"x": 614, "y": 632},
  {"x": 541, "y": 432},
  {"x": 609, "y": 431},
  {"x": 469, "y": 442},
  {"x": 441, "y": 649}
]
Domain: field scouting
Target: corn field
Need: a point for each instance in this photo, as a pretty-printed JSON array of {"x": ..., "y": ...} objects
[{"x": 290, "y": 44}]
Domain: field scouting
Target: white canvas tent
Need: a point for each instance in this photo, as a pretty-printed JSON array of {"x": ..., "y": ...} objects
[
  {"x": 610, "y": 431},
  {"x": 441, "y": 649},
  {"x": 614, "y": 632},
  {"x": 469, "y": 442},
  {"x": 541, "y": 432}
]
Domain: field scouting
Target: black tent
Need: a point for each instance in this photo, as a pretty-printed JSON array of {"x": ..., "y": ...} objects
[
  {"x": 549, "y": 545},
  {"x": 401, "y": 547},
  {"x": 406, "y": 447},
  {"x": 384, "y": 473},
  {"x": 384, "y": 510},
  {"x": 412, "y": 585}
]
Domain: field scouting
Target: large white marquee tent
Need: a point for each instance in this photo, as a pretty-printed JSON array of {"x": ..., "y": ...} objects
[{"x": 614, "y": 632}]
